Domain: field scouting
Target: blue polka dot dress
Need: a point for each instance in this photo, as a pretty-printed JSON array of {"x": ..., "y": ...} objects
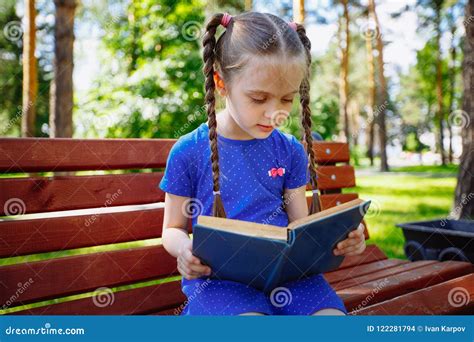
[{"x": 253, "y": 176}]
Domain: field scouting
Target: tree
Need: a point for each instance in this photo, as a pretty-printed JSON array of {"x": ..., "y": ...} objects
[
  {"x": 372, "y": 95},
  {"x": 298, "y": 11},
  {"x": 344, "y": 43},
  {"x": 61, "y": 102},
  {"x": 30, "y": 72},
  {"x": 464, "y": 194},
  {"x": 383, "y": 93}
]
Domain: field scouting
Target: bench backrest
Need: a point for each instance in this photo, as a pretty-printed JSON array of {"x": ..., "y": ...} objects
[{"x": 91, "y": 242}]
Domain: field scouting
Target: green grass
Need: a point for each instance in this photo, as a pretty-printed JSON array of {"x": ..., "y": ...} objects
[
  {"x": 403, "y": 198},
  {"x": 450, "y": 169}
]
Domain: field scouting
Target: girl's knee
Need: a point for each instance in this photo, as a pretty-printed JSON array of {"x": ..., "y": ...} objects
[{"x": 329, "y": 312}]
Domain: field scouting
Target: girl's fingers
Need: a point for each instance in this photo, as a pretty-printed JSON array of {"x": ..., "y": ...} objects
[
  {"x": 358, "y": 232},
  {"x": 191, "y": 258},
  {"x": 352, "y": 249},
  {"x": 201, "y": 269},
  {"x": 349, "y": 242},
  {"x": 356, "y": 252}
]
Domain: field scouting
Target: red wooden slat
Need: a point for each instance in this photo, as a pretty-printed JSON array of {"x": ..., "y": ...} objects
[
  {"x": 335, "y": 177},
  {"x": 24, "y": 237},
  {"x": 43, "y": 194},
  {"x": 336, "y": 276},
  {"x": 455, "y": 296},
  {"x": 331, "y": 200},
  {"x": 372, "y": 253},
  {"x": 331, "y": 152},
  {"x": 405, "y": 267},
  {"x": 82, "y": 273},
  {"x": 393, "y": 285},
  {"x": 141, "y": 301},
  {"x": 65, "y": 154}
]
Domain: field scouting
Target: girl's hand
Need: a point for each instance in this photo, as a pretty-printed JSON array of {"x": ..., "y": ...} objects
[
  {"x": 354, "y": 244},
  {"x": 189, "y": 266}
]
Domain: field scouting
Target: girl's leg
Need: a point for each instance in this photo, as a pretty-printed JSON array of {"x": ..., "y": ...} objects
[{"x": 329, "y": 312}]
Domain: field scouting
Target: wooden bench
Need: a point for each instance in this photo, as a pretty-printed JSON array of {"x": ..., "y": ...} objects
[{"x": 69, "y": 213}]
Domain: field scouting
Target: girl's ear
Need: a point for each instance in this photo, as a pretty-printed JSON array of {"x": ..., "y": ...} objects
[{"x": 220, "y": 86}]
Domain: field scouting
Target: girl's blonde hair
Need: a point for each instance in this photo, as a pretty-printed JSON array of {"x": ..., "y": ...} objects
[{"x": 249, "y": 34}]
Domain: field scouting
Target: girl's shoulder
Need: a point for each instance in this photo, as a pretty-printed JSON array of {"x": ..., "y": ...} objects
[
  {"x": 190, "y": 143},
  {"x": 289, "y": 142}
]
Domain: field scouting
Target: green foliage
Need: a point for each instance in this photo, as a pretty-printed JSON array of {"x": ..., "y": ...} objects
[
  {"x": 153, "y": 86},
  {"x": 413, "y": 144}
]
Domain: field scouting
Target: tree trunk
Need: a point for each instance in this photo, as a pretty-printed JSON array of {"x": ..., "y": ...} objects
[
  {"x": 452, "y": 84},
  {"x": 62, "y": 90},
  {"x": 30, "y": 75},
  {"x": 371, "y": 99},
  {"x": 298, "y": 11},
  {"x": 383, "y": 90},
  {"x": 439, "y": 88},
  {"x": 248, "y": 5},
  {"x": 464, "y": 194},
  {"x": 344, "y": 83}
]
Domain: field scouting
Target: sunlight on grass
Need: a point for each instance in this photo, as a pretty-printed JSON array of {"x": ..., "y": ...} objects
[{"x": 402, "y": 198}]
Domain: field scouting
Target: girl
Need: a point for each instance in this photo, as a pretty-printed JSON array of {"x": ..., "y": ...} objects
[{"x": 238, "y": 166}]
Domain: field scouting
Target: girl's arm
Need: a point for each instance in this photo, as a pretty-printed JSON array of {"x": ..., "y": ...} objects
[
  {"x": 174, "y": 224},
  {"x": 176, "y": 240},
  {"x": 296, "y": 205}
]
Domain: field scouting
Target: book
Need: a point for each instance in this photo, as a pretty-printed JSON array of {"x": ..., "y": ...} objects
[{"x": 266, "y": 256}]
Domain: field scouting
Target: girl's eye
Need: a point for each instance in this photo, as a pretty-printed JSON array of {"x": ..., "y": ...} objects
[
  {"x": 287, "y": 100},
  {"x": 258, "y": 100}
]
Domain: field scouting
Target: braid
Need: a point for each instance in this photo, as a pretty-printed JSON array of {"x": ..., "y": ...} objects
[
  {"x": 209, "y": 43},
  {"x": 306, "y": 120}
]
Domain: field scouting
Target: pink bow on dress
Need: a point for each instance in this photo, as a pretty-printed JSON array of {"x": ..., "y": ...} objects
[{"x": 276, "y": 172}]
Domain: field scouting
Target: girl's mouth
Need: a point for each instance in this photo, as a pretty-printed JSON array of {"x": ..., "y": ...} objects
[{"x": 265, "y": 128}]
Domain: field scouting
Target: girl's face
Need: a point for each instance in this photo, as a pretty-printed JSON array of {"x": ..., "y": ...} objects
[{"x": 260, "y": 97}]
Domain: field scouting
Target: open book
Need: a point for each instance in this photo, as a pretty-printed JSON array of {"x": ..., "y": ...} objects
[{"x": 266, "y": 256}]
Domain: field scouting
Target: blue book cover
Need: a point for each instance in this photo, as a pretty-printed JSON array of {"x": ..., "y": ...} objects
[{"x": 267, "y": 256}]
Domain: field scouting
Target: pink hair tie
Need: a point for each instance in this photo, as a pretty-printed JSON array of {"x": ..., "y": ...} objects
[
  {"x": 225, "y": 19},
  {"x": 292, "y": 24}
]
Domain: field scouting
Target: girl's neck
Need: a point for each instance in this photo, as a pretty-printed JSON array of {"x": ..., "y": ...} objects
[{"x": 228, "y": 128}]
